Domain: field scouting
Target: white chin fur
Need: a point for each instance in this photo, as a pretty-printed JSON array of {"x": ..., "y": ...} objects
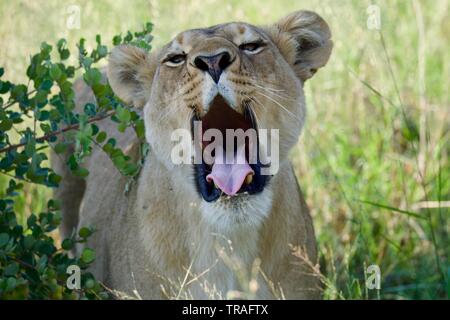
[{"x": 246, "y": 211}]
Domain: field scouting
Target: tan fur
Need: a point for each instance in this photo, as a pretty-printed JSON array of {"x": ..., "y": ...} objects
[{"x": 154, "y": 240}]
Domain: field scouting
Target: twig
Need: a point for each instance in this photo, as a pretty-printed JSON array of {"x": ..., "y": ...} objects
[
  {"x": 15, "y": 177},
  {"x": 14, "y": 102},
  {"x": 55, "y": 133}
]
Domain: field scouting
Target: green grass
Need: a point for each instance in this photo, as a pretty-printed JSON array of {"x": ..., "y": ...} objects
[{"x": 374, "y": 157}]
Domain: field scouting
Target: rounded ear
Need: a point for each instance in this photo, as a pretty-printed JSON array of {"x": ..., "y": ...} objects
[
  {"x": 130, "y": 74},
  {"x": 304, "y": 39}
]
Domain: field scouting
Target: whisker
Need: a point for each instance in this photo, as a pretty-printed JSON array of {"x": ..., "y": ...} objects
[
  {"x": 267, "y": 87},
  {"x": 167, "y": 104},
  {"x": 274, "y": 92},
  {"x": 173, "y": 98},
  {"x": 166, "y": 114},
  {"x": 189, "y": 116},
  {"x": 280, "y": 105},
  {"x": 258, "y": 122},
  {"x": 267, "y": 84}
]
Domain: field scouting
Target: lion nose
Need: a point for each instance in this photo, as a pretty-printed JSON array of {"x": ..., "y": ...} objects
[{"x": 214, "y": 65}]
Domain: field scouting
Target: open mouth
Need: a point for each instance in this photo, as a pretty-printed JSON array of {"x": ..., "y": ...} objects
[{"x": 230, "y": 171}]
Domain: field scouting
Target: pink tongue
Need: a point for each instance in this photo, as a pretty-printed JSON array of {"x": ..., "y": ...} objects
[{"x": 230, "y": 177}]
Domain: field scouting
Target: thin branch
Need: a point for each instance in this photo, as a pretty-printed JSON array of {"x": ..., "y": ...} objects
[
  {"x": 15, "y": 177},
  {"x": 58, "y": 132},
  {"x": 14, "y": 102},
  {"x": 23, "y": 263}
]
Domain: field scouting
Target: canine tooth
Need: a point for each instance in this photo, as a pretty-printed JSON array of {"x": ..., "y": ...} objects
[
  {"x": 211, "y": 181},
  {"x": 249, "y": 178}
]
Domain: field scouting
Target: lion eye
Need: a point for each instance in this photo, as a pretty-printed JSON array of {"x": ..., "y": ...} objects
[
  {"x": 251, "y": 47},
  {"x": 175, "y": 60}
]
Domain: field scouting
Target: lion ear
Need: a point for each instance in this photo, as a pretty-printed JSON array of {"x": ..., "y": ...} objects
[
  {"x": 130, "y": 74},
  {"x": 304, "y": 39}
]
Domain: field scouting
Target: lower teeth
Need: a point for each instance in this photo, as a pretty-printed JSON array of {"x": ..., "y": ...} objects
[{"x": 248, "y": 179}]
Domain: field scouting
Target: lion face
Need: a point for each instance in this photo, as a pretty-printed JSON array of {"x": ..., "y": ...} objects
[{"x": 229, "y": 76}]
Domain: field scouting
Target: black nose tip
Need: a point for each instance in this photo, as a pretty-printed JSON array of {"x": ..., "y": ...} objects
[{"x": 213, "y": 64}]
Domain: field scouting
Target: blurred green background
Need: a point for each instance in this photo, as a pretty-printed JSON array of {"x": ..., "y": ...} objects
[{"x": 373, "y": 159}]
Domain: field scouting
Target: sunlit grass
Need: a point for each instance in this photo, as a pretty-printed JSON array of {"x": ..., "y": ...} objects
[{"x": 376, "y": 142}]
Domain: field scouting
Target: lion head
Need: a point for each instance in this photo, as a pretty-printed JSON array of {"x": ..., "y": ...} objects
[{"x": 229, "y": 76}]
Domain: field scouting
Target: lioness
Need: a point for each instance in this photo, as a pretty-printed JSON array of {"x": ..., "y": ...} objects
[{"x": 181, "y": 232}]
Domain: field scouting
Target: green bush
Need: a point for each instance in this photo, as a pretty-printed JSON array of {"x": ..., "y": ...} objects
[{"x": 32, "y": 116}]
